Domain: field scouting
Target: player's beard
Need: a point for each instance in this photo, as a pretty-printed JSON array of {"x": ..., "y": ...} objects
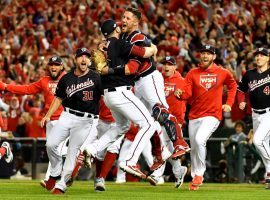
[
  {"x": 206, "y": 64},
  {"x": 54, "y": 75}
]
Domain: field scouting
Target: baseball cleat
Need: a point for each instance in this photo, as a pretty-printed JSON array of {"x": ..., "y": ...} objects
[
  {"x": 133, "y": 170},
  {"x": 57, "y": 191},
  {"x": 152, "y": 180},
  {"x": 192, "y": 187},
  {"x": 197, "y": 180},
  {"x": 50, "y": 183},
  {"x": 180, "y": 178},
  {"x": 100, "y": 185},
  {"x": 43, "y": 183},
  {"x": 8, "y": 156},
  {"x": 179, "y": 151},
  {"x": 157, "y": 164}
]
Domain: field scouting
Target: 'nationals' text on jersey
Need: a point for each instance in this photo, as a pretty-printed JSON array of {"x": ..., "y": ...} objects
[
  {"x": 258, "y": 85},
  {"x": 80, "y": 92}
]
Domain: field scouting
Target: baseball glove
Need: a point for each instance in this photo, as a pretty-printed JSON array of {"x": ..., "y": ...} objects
[{"x": 99, "y": 60}]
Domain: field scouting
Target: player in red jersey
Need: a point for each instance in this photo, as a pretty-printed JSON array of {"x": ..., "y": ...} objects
[
  {"x": 173, "y": 81},
  {"x": 203, "y": 90}
]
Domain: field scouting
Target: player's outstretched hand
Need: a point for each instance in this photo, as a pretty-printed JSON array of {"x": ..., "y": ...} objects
[
  {"x": 226, "y": 108},
  {"x": 178, "y": 93},
  {"x": 242, "y": 105},
  {"x": 2, "y": 86},
  {"x": 44, "y": 121}
]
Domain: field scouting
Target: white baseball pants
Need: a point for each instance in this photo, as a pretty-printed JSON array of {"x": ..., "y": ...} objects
[
  {"x": 261, "y": 139},
  {"x": 62, "y": 149},
  {"x": 151, "y": 89},
  {"x": 78, "y": 130},
  {"x": 126, "y": 107},
  {"x": 200, "y": 131}
]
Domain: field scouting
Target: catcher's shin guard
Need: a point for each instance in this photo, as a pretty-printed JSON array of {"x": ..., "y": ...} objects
[{"x": 162, "y": 115}]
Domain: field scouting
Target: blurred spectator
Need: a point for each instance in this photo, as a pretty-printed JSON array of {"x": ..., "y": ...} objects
[{"x": 235, "y": 153}]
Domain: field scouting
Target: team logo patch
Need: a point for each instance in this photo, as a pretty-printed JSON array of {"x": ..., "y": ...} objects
[
  {"x": 83, "y": 49},
  {"x": 54, "y": 58},
  {"x": 169, "y": 89},
  {"x": 208, "y": 81}
]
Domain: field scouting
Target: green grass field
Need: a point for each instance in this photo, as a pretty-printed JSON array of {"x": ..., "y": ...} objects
[{"x": 11, "y": 189}]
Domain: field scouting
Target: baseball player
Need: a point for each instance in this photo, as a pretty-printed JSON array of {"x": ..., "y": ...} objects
[
  {"x": 172, "y": 81},
  {"x": 257, "y": 83},
  {"x": 203, "y": 90},
  {"x": 79, "y": 92},
  {"x": 6, "y": 152},
  {"x": 149, "y": 85},
  {"x": 46, "y": 85},
  {"x": 119, "y": 98}
]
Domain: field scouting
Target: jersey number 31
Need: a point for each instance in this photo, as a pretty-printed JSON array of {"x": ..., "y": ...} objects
[{"x": 87, "y": 95}]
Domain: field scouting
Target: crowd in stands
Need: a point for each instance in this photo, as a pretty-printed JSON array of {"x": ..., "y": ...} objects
[{"x": 33, "y": 30}]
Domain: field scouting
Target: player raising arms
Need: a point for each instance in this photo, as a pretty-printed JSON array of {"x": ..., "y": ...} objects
[
  {"x": 203, "y": 90},
  {"x": 257, "y": 83}
]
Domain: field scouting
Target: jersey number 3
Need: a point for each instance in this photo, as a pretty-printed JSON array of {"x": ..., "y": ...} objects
[
  {"x": 87, "y": 95},
  {"x": 266, "y": 90}
]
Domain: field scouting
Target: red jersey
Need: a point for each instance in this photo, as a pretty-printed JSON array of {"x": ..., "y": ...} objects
[
  {"x": 204, "y": 88},
  {"x": 45, "y": 85},
  {"x": 176, "y": 107}
]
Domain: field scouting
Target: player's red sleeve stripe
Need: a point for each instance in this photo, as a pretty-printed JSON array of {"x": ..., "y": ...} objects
[
  {"x": 137, "y": 37},
  {"x": 133, "y": 66},
  {"x": 138, "y": 51}
]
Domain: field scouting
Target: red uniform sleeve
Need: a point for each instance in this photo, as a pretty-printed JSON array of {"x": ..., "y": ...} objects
[
  {"x": 133, "y": 65},
  {"x": 138, "y": 51},
  {"x": 32, "y": 88},
  {"x": 232, "y": 87}
]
